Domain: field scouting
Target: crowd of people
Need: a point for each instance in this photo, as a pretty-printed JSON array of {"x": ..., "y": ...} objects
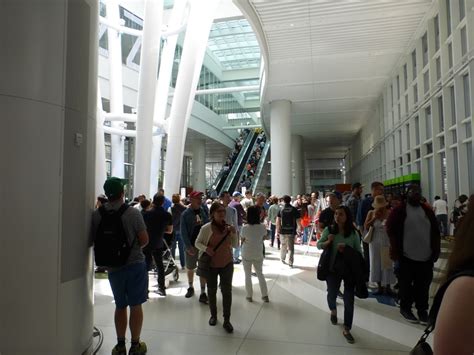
[{"x": 388, "y": 243}]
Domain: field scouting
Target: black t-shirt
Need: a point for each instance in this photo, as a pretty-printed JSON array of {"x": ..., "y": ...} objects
[
  {"x": 156, "y": 220},
  {"x": 327, "y": 217},
  {"x": 288, "y": 216},
  {"x": 197, "y": 226}
]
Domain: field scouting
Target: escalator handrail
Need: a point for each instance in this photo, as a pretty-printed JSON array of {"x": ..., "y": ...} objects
[
  {"x": 260, "y": 166},
  {"x": 236, "y": 180},
  {"x": 249, "y": 142}
]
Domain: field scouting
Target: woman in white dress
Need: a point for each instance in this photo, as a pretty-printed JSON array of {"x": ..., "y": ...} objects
[{"x": 381, "y": 268}]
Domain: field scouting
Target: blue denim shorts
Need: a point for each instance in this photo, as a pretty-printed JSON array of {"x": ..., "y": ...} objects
[{"x": 129, "y": 285}]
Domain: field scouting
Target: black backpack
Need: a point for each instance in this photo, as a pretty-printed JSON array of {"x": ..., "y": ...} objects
[
  {"x": 111, "y": 246},
  {"x": 287, "y": 220}
]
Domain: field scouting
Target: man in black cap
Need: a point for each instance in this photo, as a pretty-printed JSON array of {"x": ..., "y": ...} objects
[{"x": 353, "y": 201}]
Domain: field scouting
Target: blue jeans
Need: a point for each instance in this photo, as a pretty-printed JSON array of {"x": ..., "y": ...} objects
[
  {"x": 178, "y": 240},
  {"x": 334, "y": 283},
  {"x": 306, "y": 233}
]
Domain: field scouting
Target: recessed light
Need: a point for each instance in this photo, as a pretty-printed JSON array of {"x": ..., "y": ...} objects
[{"x": 292, "y": 25}]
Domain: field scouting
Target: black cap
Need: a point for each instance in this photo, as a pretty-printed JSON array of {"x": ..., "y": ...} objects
[{"x": 356, "y": 185}]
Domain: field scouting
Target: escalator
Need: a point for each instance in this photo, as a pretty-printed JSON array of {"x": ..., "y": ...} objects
[
  {"x": 238, "y": 167},
  {"x": 260, "y": 168}
]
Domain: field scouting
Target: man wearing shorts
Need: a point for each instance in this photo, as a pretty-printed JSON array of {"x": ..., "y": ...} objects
[
  {"x": 192, "y": 219},
  {"x": 129, "y": 283}
]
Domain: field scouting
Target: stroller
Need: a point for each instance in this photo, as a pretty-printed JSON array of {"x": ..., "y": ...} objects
[{"x": 169, "y": 263}]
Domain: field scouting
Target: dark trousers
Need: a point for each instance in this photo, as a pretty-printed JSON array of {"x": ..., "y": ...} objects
[
  {"x": 225, "y": 274},
  {"x": 157, "y": 255},
  {"x": 178, "y": 240},
  {"x": 443, "y": 224},
  {"x": 334, "y": 283},
  {"x": 414, "y": 282},
  {"x": 273, "y": 226}
]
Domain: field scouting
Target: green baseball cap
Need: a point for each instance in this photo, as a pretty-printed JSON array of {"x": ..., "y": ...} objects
[{"x": 113, "y": 187}]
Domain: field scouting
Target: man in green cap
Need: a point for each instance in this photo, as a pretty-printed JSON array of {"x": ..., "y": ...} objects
[{"x": 129, "y": 282}]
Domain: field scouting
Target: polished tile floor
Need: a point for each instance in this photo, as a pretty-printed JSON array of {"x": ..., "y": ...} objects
[{"x": 296, "y": 321}]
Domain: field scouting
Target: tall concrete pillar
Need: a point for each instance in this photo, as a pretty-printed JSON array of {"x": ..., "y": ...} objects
[
  {"x": 199, "y": 165},
  {"x": 280, "y": 135},
  {"x": 48, "y": 100},
  {"x": 194, "y": 48},
  {"x": 297, "y": 165}
]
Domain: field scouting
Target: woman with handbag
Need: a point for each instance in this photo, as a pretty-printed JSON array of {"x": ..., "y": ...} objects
[
  {"x": 381, "y": 268},
  {"x": 337, "y": 237},
  {"x": 216, "y": 240}
]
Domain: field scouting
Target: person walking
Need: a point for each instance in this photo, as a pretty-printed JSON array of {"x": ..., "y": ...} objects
[
  {"x": 272, "y": 216},
  {"x": 222, "y": 266},
  {"x": 288, "y": 220},
  {"x": 177, "y": 210},
  {"x": 191, "y": 223},
  {"x": 252, "y": 235},
  {"x": 381, "y": 270},
  {"x": 415, "y": 243},
  {"x": 337, "y": 238}
]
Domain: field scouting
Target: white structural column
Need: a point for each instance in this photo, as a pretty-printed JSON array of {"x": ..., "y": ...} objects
[
  {"x": 100, "y": 169},
  {"x": 280, "y": 135},
  {"x": 162, "y": 90},
  {"x": 116, "y": 87},
  {"x": 48, "y": 100},
  {"x": 197, "y": 33},
  {"x": 297, "y": 166},
  {"x": 199, "y": 165},
  {"x": 146, "y": 95}
]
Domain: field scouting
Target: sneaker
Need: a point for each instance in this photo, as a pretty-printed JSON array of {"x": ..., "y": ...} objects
[
  {"x": 423, "y": 317},
  {"x": 347, "y": 334},
  {"x": 190, "y": 292},
  {"x": 203, "y": 298},
  {"x": 333, "y": 319},
  {"x": 265, "y": 299},
  {"x": 141, "y": 349},
  {"x": 409, "y": 316},
  {"x": 340, "y": 294},
  {"x": 161, "y": 292},
  {"x": 283, "y": 261},
  {"x": 291, "y": 265},
  {"x": 237, "y": 261},
  {"x": 254, "y": 274},
  {"x": 119, "y": 350},
  {"x": 228, "y": 326},
  {"x": 212, "y": 321},
  {"x": 249, "y": 299}
]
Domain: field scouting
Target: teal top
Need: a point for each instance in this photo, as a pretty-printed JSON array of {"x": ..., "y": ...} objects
[
  {"x": 273, "y": 212},
  {"x": 352, "y": 241}
]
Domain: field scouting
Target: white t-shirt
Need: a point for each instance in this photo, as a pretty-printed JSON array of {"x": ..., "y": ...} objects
[
  {"x": 440, "y": 207},
  {"x": 252, "y": 246}
]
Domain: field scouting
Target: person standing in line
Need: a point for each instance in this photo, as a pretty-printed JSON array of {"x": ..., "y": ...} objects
[
  {"x": 177, "y": 210},
  {"x": 327, "y": 215},
  {"x": 376, "y": 189},
  {"x": 241, "y": 216},
  {"x": 222, "y": 266},
  {"x": 415, "y": 243},
  {"x": 337, "y": 237},
  {"x": 129, "y": 283},
  {"x": 381, "y": 270},
  {"x": 158, "y": 222},
  {"x": 252, "y": 236},
  {"x": 287, "y": 222},
  {"x": 191, "y": 222},
  {"x": 272, "y": 216},
  {"x": 354, "y": 199},
  {"x": 440, "y": 208}
]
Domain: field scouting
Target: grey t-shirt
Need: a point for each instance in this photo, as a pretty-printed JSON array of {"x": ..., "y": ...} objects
[
  {"x": 133, "y": 224},
  {"x": 417, "y": 234}
]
